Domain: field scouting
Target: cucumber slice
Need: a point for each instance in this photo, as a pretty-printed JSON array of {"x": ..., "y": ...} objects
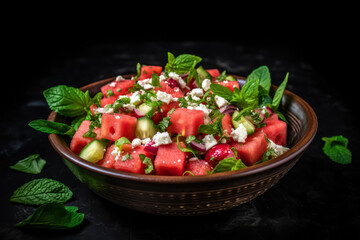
[
  {"x": 93, "y": 152},
  {"x": 230, "y": 78},
  {"x": 144, "y": 108},
  {"x": 250, "y": 128},
  {"x": 203, "y": 74},
  {"x": 145, "y": 128}
]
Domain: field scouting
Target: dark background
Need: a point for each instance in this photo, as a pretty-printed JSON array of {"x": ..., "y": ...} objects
[{"x": 317, "y": 199}]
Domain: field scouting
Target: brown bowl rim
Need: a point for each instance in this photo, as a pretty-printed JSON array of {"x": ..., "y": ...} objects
[{"x": 296, "y": 150}]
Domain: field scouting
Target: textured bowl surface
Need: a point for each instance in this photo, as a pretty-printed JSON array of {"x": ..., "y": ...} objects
[{"x": 195, "y": 195}]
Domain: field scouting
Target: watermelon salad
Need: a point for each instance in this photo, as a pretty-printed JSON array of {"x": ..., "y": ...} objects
[{"x": 179, "y": 119}]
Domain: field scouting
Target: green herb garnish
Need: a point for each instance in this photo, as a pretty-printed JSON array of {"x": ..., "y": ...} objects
[{"x": 336, "y": 149}]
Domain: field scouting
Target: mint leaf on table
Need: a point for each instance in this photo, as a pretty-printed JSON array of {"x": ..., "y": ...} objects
[
  {"x": 68, "y": 101},
  {"x": 336, "y": 149},
  {"x": 53, "y": 216},
  {"x": 32, "y": 164},
  {"x": 46, "y": 126},
  {"x": 41, "y": 191}
]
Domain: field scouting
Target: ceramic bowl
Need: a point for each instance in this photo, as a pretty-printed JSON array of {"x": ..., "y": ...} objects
[{"x": 192, "y": 195}]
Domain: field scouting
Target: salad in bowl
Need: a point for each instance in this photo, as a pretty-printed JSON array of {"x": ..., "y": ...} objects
[{"x": 179, "y": 119}]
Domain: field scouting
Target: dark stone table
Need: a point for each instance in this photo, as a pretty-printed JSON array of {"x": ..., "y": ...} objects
[{"x": 317, "y": 199}]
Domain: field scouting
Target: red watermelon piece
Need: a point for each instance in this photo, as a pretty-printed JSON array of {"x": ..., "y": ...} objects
[
  {"x": 214, "y": 73},
  {"x": 108, "y": 159},
  {"x": 134, "y": 163},
  {"x": 197, "y": 167},
  {"x": 170, "y": 160},
  {"x": 226, "y": 123},
  {"x": 252, "y": 150},
  {"x": 146, "y": 71},
  {"x": 229, "y": 84},
  {"x": 115, "y": 126},
  {"x": 275, "y": 130},
  {"x": 186, "y": 122},
  {"x": 175, "y": 92},
  {"x": 118, "y": 87},
  {"x": 78, "y": 142}
]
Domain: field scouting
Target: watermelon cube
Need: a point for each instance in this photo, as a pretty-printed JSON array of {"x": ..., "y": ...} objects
[
  {"x": 170, "y": 160},
  {"x": 197, "y": 167},
  {"x": 133, "y": 163},
  {"x": 146, "y": 71},
  {"x": 186, "y": 122},
  {"x": 214, "y": 73},
  {"x": 108, "y": 159},
  {"x": 108, "y": 100},
  {"x": 118, "y": 87},
  {"x": 117, "y": 125},
  {"x": 78, "y": 142},
  {"x": 229, "y": 84},
  {"x": 252, "y": 150},
  {"x": 275, "y": 130}
]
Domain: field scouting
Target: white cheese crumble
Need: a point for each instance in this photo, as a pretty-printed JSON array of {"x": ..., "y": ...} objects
[
  {"x": 196, "y": 94},
  {"x": 220, "y": 101},
  {"x": 113, "y": 84},
  {"x": 177, "y": 78},
  {"x": 239, "y": 134},
  {"x": 164, "y": 97},
  {"x": 278, "y": 149},
  {"x": 206, "y": 84},
  {"x": 135, "y": 98},
  {"x": 209, "y": 141},
  {"x": 119, "y": 78},
  {"x": 161, "y": 138},
  {"x": 136, "y": 142},
  {"x": 145, "y": 141},
  {"x": 203, "y": 108},
  {"x": 146, "y": 83}
]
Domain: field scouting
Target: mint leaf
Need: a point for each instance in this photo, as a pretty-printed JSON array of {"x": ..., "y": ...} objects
[
  {"x": 41, "y": 191},
  {"x": 46, "y": 126},
  {"x": 182, "y": 63},
  {"x": 248, "y": 96},
  {"x": 335, "y": 148},
  {"x": 228, "y": 164},
  {"x": 53, "y": 216},
  {"x": 262, "y": 74},
  {"x": 222, "y": 91},
  {"x": 149, "y": 167},
  {"x": 68, "y": 101},
  {"x": 121, "y": 141},
  {"x": 32, "y": 164},
  {"x": 279, "y": 93}
]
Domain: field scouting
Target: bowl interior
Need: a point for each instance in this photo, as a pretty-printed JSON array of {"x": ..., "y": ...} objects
[{"x": 302, "y": 128}]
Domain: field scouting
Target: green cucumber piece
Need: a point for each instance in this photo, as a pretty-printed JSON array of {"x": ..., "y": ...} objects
[
  {"x": 230, "y": 78},
  {"x": 93, "y": 151},
  {"x": 145, "y": 128},
  {"x": 203, "y": 74},
  {"x": 250, "y": 128},
  {"x": 144, "y": 108}
]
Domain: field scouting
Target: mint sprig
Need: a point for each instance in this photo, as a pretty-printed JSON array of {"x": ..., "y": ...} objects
[{"x": 336, "y": 148}]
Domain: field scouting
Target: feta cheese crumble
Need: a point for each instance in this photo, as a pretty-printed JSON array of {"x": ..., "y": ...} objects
[
  {"x": 177, "y": 78},
  {"x": 239, "y": 134},
  {"x": 209, "y": 141},
  {"x": 206, "y": 84},
  {"x": 278, "y": 149},
  {"x": 220, "y": 101},
  {"x": 164, "y": 97},
  {"x": 136, "y": 142},
  {"x": 161, "y": 138}
]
